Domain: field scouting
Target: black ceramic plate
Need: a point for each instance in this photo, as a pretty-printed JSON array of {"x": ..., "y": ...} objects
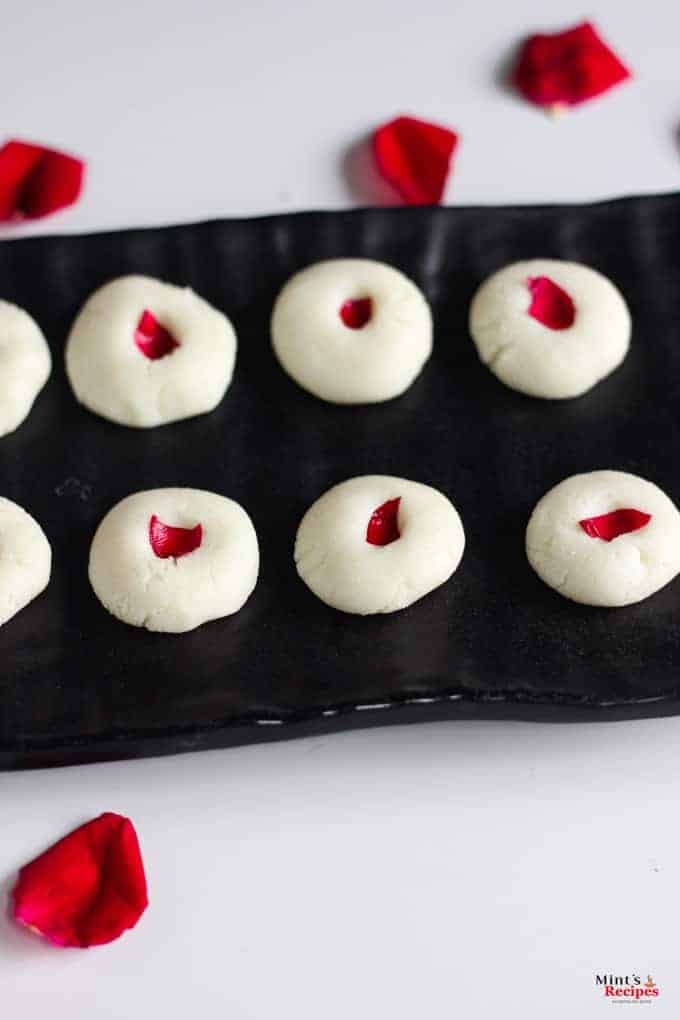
[{"x": 76, "y": 685}]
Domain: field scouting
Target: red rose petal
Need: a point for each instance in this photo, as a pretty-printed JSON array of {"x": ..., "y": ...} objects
[
  {"x": 88, "y": 888},
  {"x": 550, "y": 305},
  {"x": 414, "y": 157},
  {"x": 618, "y": 522},
  {"x": 355, "y": 314},
  {"x": 36, "y": 181},
  {"x": 167, "y": 541},
  {"x": 17, "y": 160},
  {"x": 383, "y": 527},
  {"x": 153, "y": 340},
  {"x": 567, "y": 68}
]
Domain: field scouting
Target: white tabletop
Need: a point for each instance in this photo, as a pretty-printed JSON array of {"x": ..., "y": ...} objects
[{"x": 450, "y": 870}]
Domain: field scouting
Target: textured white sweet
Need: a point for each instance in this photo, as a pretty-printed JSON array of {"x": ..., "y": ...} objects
[
  {"x": 352, "y": 366},
  {"x": 334, "y": 559},
  {"x": 111, "y": 376},
  {"x": 25, "y": 365},
  {"x": 543, "y": 362},
  {"x": 25, "y": 559},
  {"x": 591, "y": 570},
  {"x": 171, "y": 594}
]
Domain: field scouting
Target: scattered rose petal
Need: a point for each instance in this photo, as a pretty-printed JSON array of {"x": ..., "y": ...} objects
[
  {"x": 618, "y": 522},
  {"x": 383, "y": 527},
  {"x": 167, "y": 541},
  {"x": 88, "y": 888},
  {"x": 550, "y": 305},
  {"x": 355, "y": 314},
  {"x": 414, "y": 157},
  {"x": 567, "y": 68},
  {"x": 36, "y": 181},
  {"x": 153, "y": 340}
]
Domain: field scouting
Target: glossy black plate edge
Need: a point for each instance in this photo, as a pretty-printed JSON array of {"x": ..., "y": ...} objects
[
  {"x": 393, "y": 210},
  {"x": 518, "y": 708}
]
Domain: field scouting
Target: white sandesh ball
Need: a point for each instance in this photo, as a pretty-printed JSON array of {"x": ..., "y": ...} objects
[
  {"x": 588, "y": 339},
  {"x": 146, "y": 583},
  {"x": 25, "y": 559},
  {"x": 337, "y": 562},
  {"x": 640, "y": 550},
  {"x": 112, "y": 376},
  {"x": 352, "y": 331},
  {"x": 25, "y": 365}
]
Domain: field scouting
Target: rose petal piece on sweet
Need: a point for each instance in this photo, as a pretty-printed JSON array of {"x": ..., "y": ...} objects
[
  {"x": 88, "y": 888},
  {"x": 152, "y": 339},
  {"x": 383, "y": 526},
  {"x": 168, "y": 541},
  {"x": 550, "y": 304},
  {"x": 567, "y": 68},
  {"x": 617, "y": 522},
  {"x": 36, "y": 181},
  {"x": 356, "y": 313},
  {"x": 414, "y": 157}
]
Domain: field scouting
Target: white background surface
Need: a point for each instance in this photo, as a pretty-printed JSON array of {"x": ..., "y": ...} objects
[{"x": 462, "y": 870}]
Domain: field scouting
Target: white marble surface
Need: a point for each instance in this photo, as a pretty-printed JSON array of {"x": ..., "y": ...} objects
[{"x": 471, "y": 870}]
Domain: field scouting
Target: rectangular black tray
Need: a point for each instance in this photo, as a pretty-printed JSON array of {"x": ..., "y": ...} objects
[{"x": 76, "y": 685}]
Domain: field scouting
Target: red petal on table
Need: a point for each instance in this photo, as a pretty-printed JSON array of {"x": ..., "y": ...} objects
[
  {"x": 88, "y": 888},
  {"x": 355, "y": 314},
  {"x": 167, "y": 541},
  {"x": 618, "y": 522},
  {"x": 567, "y": 68},
  {"x": 550, "y": 305},
  {"x": 35, "y": 181},
  {"x": 414, "y": 157},
  {"x": 153, "y": 340},
  {"x": 383, "y": 527}
]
